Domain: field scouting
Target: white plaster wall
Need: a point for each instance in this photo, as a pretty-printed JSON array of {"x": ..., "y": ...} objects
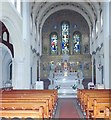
[
  {"x": 21, "y": 61},
  {"x": 1, "y": 65},
  {"x": 34, "y": 70}
]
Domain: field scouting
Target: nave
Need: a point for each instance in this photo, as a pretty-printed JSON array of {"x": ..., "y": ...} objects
[
  {"x": 43, "y": 104},
  {"x": 65, "y": 45}
]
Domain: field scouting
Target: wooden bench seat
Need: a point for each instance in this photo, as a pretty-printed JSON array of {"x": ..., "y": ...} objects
[
  {"x": 51, "y": 92},
  {"x": 22, "y": 114},
  {"x": 101, "y": 109},
  {"x": 31, "y": 97},
  {"x": 86, "y": 99},
  {"x": 37, "y": 95},
  {"x": 82, "y": 93},
  {"x": 89, "y": 106},
  {"x": 25, "y": 106},
  {"x": 39, "y": 101},
  {"x": 46, "y": 98}
]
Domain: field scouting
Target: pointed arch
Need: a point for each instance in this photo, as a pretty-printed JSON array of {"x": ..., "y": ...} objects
[{"x": 5, "y": 34}]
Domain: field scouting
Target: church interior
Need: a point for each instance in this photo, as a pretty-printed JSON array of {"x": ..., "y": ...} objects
[{"x": 55, "y": 59}]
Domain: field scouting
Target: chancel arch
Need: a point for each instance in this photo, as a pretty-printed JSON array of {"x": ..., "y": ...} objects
[
  {"x": 72, "y": 39},
  {"x": 7, "y": 54}
]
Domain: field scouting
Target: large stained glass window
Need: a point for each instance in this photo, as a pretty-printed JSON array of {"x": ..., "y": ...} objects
[
  {"x": 76, "y": 42},
  {"x": 54, "y": 43},
  {"x": 65, "y": 38}
]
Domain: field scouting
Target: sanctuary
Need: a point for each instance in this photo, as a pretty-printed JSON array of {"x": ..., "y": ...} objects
[{"x": 65, "y": 80}]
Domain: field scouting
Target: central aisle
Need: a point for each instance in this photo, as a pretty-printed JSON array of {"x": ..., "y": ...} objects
[{"x": 67, "y": 108}]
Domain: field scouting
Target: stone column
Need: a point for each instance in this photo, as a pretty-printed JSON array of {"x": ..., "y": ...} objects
[
  {"x": 106, "y": 44},
  {"x": 93, "y": 68},
  {"x": 1, "y": 84},
  {"x": 110, "y": 46},
  {"x": 39, "y": 68},
  {"x": 18, "y": 81}
]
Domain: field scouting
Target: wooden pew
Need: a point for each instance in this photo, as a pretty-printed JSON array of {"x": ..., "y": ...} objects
[
  {"x": 92, "y": 92},
  {"x": 89, "y": 107},
  {"x": 84, "y": 93},
  {"x": 101, "y": 109},
  {"x": 34, "y": 94},
  {"x": 52, "y": 92},
  {"x": 26, "y": 106},
  {"x": 86, "y": 97},
  {"x": 47, "y": 111},
  {"x": 38, "y": 114},
  {"x": 31, "y": 97}
]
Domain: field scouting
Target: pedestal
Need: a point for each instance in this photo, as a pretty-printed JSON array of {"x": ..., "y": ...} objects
[{"x": 39, "y": 85}]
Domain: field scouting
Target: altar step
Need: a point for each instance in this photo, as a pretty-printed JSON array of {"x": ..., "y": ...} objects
[
  {"x": 67, "y": 90},
  {"x": 67, "y": 95}
]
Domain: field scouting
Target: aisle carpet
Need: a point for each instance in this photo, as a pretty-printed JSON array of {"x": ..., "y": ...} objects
[{"x": 67, "y": 108}]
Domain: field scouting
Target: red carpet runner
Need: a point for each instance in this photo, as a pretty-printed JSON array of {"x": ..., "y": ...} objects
[{"x": 68, "y": 109}]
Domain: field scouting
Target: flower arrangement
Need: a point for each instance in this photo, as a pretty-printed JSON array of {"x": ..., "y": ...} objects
[
  {"x": 74, "y": 86},
  {"x": 57, "y": 87}
]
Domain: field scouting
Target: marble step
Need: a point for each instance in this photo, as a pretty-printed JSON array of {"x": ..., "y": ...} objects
[
  {"x": 71, "y": 95},
  {"x": 65, "y": 91}
]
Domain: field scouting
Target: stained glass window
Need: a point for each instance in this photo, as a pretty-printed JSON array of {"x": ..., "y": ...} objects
[
  {"x": 76, "y": 42},
  {"x": 65, "y": 38},
  {"x": 54, "y": 43}
]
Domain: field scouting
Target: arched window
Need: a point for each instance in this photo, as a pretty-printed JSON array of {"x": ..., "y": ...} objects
[
  {"x": 96, "y": 25},
  {"x": 5, "y": 36},
  {"x": 65, "y": 37},
  {"x": 76, "y": 42},
  {"x": 10, "y": 70},
  {"x": 54, "y": 43},
  {"x": 101, "y": 16}
]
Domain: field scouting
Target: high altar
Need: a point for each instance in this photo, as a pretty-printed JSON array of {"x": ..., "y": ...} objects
[{"x": 65, "y": 80}]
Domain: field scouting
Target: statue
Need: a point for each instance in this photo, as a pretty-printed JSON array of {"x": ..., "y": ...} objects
[{"x": 65, "y": 60}]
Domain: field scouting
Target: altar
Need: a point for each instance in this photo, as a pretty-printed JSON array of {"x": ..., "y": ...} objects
[
  {"x": 65, "y": 81},
  {"x": 66, "y": 85}
]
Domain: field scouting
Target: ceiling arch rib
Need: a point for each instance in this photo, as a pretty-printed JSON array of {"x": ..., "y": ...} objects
[
  {"x": 38, "y": 7},
  {"x": 87, "y": 8},
  {"x": 46, "y": 7},
  {"x": 55, "y": 7},
  {"x": 62, "y": 8}
]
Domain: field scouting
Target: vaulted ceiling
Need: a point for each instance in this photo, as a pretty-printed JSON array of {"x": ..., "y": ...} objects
[{"x": 89, "y": 10}]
